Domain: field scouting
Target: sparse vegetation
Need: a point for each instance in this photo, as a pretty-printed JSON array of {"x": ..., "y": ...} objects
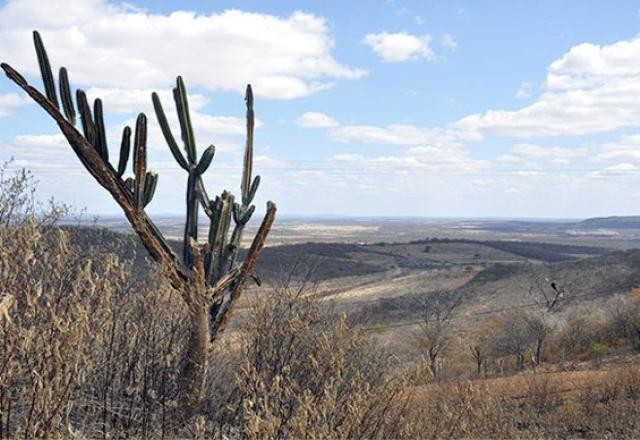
[{"x": 82, "y": 356}]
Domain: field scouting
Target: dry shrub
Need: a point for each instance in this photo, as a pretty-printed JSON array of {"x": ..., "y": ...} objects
[
  {"x": 306, "y": 373},
  {"x": 609, "y": 408},
  {"x": 47, "y": 329},
  {"x": 541, "y": 395},
  {"x": 460, "y": 410},
  {"x": 82, "y": 348},
  {"x": 85, "y": 350}
]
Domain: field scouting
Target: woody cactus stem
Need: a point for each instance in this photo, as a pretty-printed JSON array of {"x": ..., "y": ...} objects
[{"x": 207, "y": 276}]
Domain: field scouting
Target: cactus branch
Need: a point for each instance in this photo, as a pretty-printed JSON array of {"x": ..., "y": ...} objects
[
  {"x": 125, "y": 146},
  {"x": 150, "y": 184},
  {"x": 45, "y": 70},
  {"x": 166, "y": 132},
  {"x": 182, "y": 105},
  {"x": 191, "y": 225},
  {"x": 140, "y": 159},
  {"x": 248, "y": 153},
  {"x": 246, "y": 271},
  {"x": 65, "y": 96},
  {"x": 86, "y": 118},
  {"x": 206, "y": 159},
  {"x": 101, "y": 136}
]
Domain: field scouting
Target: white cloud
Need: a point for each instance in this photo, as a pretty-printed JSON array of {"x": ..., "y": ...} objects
[
  {"x": 316, "y": 120},
  {"x": 9, "y": 102},
  {"x": 530, "y": 154},
  {"x": 524, "y": 91},
  {"x": 122, "y": 100},
  {"x": 399, "y": 46},
  {"x": 394, "y": 134},
  {"x": 627, "y": 149},
  {"x": 48, "y": 153},
  {"x": 448, "y": 41},
  {"x": 441, "y": 159},
  {"x": 621, "y": 168},
  {"x": 138, "y": 100},
  {"x": 347, "y": 157},
  {"x": 590, "y": 89},
  {"x": 117, "y": 46}
]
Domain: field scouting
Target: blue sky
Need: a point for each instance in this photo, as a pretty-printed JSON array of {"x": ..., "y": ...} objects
[{"x": 390, "y": 107}]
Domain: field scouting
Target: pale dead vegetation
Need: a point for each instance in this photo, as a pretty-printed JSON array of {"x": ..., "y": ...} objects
[{"x": 91, "y": 351}]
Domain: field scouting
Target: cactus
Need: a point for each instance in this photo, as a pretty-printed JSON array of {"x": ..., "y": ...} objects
[{"x": 208, "y": 276}]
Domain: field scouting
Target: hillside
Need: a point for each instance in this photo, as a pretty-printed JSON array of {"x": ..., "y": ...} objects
[
  {"x": 626, "y": 222},
  {"x": 381, "y": 282}
]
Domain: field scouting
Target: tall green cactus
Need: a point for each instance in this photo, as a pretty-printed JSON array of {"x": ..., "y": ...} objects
[
  {"x": 222, "y": 250},
  {"x": 208, "y": 277}
]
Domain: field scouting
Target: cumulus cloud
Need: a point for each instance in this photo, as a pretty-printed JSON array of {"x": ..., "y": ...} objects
[
  {"x": 524, "y": 91},
  {"x": 316, "y": 120},
  {"x": 132, "y": 48},
  {"x": 9, "y": 102},
  {"x": 627, "y": 149},
  {"x": 394, "y": 134},
  {"x": 531, "y": 154},
  {"x": 400, "y": 46},
  {"x": 621, "y": 168},
  {"x": 590, "y": 89}
]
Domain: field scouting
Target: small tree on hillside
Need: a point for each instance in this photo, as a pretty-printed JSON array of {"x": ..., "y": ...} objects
[
  {"x": 207, "y": 276},
  {"x": 435, "y": 333},
  {"x": 513, "y": 336},
  {"x": 550, "y": 294},
  {"x": 480, "y": 342}
]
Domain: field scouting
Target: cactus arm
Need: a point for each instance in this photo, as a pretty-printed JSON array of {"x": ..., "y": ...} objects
[
  {"x": 218, "y": 245},
  {"x": 65, "y": 96},
  {"x": 222, "y": 236},
  {"x": 246, "y": 271},
  {"x": 101, "y": 136},
  {"x": 254, "y": 188},
  {"x": 85, "y": 117},
  {"x": 166, "y": 132},
  {"x": 125, "y": 146},
  {"x": 214, "y": 219},
  {"x": 248, "y": 153},
  {"x": 150, "y": 184},
  {"x": 45, "y": 70},
  {"x": 206, "y": 159},
  {"x": 140, "y": 159},
  {"x": 182, "y": 105},
  {"x": 241, "y": 216},
  {"x": 130, "y": 183},
  {"x": 191, "y": 225},
  {"x": 205, "y": 202}
]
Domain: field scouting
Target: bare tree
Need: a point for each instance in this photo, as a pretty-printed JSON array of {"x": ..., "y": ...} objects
[
  {"x": 435, "y": 333},
  {"x": 513, "y": 336},
  {"x": 550, "y": 294},
  {"x": 546, "y": 290},
  {"x": 539, "y": 329},
  {"x": 207, "y": 276},
  {"x": 481, "y": 341}
]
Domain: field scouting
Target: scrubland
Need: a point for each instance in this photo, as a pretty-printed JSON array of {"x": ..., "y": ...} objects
[{"x": 91, "y": 347}]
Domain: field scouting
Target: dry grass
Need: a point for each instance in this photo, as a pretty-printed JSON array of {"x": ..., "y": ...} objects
[{"x": 91, "y": 349}]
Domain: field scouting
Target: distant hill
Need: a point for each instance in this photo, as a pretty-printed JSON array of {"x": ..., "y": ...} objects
[{"x": 623, "y": 222}]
